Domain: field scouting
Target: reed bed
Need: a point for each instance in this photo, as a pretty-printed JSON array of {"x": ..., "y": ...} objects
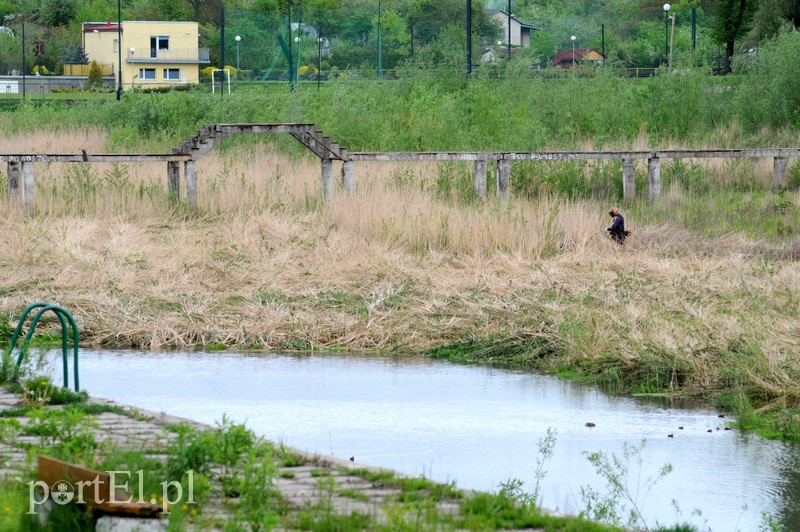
[{"x": 412, "y": 261}]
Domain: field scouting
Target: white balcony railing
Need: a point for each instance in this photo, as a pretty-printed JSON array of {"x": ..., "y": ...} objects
[{"x": 151, "y": 55}]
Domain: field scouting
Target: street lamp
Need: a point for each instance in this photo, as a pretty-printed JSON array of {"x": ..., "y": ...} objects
[
  {"x": 238, "y": 40},
  {"x": 319, "y": 59},
  {"x": 666, "y": 29},
  {"x": 297, "y": 42},
  {"x": 573, "y": 39},
  {"x": 380, "y": 44},
  {"x": 119, "y": 48}
]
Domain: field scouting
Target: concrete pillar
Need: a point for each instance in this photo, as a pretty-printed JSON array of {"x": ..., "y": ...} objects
[
  {"x": 480, "y": 178},
  {"x": 654, "y": 178},
  {"x": 174, "y": 179},
  {"x": 327, "y": 179},
  {"x": 190, "y": 175},
  {"x": 779, "y": 176},
  {"x": 628, "y": 179},
  {"x": 349, "y": 176},
  {"x": 14, "y": 169},
  {"x": 503, "y": 172},
  {"x": 28, "y": 187}
]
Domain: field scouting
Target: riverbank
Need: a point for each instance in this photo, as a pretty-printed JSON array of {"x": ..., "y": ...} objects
[
  {"x": 236, "y": 480},
  {"x": 701, "y": 301}
]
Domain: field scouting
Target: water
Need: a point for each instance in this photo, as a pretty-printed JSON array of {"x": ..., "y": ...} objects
[{"x": 477, "y": 426}]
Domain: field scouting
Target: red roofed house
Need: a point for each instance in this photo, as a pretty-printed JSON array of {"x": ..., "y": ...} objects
[{"x": 567, "y": 58}]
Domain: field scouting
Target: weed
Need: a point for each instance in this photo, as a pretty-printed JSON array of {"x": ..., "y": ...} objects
[{"x": 622, "y": 505}]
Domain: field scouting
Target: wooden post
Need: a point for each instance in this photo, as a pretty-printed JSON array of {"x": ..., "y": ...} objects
[
  {"x": 628, "y": 179},
  {"x": 327, "y": 179},
  {"x": 190, "y": 174},
  {"x": 779, "y": 177},
  {"x": 13, "y": 182},
  {"x": 654, "y": 178},
  {"x": 349, "y": 176},
  {"x": 174, "y": 179},
  {"x": 503, "y": 172},
  {"x": 480, "y": 178},
  {"x": 28, "y": 187}
]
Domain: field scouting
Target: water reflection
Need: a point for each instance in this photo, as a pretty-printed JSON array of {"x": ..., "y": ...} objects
[{"x": 475, "y": 425}]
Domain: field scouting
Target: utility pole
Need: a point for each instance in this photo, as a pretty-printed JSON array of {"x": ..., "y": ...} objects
[
  {"x": 119, "y": 49},
  {"x": 380, "y": 58},
  {"x": 469, "y": 37}
]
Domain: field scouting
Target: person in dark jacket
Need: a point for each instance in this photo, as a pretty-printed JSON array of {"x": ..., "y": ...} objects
[{"x": 617, "y": 230}]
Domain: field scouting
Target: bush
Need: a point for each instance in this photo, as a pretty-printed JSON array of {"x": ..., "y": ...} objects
[{"x": 95, "y": 78}]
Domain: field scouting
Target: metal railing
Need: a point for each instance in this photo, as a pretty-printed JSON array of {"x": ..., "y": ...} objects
[
  {"x": 63, "y": 317},
  {"x": 178, "y": 55}
]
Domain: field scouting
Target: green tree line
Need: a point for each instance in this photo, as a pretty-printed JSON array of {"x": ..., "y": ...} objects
[{"x": 421, "y": 33}]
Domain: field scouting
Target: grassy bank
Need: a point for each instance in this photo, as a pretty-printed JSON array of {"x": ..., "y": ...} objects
[{"x": 701, "y": 301}]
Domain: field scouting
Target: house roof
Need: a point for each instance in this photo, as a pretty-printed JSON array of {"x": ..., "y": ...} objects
[
  {"x": 504, "y": 13},
  {"x": 89, "y": 27},
  {"x": 579, "y": 55}
]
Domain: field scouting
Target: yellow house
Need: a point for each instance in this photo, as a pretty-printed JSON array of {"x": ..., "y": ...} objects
[{"x": 154, "y": 53}]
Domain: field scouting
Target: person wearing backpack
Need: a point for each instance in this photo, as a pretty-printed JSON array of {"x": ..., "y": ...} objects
[{"x": 617, "y": 230}]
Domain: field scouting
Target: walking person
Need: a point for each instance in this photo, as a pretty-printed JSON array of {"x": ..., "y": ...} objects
[{"x": 617, "y": 230}]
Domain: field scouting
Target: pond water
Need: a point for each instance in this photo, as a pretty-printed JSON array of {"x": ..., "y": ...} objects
[{"x": 477, "y": 426}]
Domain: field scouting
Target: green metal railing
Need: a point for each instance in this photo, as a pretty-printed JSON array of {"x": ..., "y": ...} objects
[{"x": 63, "y": 317}]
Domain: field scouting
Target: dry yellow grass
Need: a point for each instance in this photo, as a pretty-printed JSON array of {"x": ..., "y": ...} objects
[{"x": 389, "y": 267}]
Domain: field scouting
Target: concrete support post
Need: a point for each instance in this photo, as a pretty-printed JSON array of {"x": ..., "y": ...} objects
[
  {"x": 628, "y": 179},
  {"x": 190, "y": 175},
  {"x": 327, "y": 179},
  {"x": 503, "y": 172},
  {"x": 174, "y": 179},
  {"x": 14, "y": 170},
  {"x": 480, "y": 178},
  {"x": 28, "y": 187},
  {"x": 654, "y": 178},
  {"x": 349, "y": 176},
  {"x": 779, "y": 176}
]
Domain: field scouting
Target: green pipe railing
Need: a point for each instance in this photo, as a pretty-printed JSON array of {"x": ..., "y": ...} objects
[{"x": 63, "y": 317}]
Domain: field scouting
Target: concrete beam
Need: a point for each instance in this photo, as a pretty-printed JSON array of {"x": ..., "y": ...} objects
[
  {"x": 503, "y": 173},
  {"x": 780, "y": 179},
  {"x": 654, "y": 178},
  {"x": 628, "y": 179},
  {"x": 480, "y": 178},
  {"x": 327, "y": 179},
  {"x": 99, "y": 158},
  {"x": 190, "y": 175},
  {"x": 349, "y": 176},
  {"x": 174, "y": 180},
  {"x": 14, "y": 170},
  {"x": 28, "y": 187}
]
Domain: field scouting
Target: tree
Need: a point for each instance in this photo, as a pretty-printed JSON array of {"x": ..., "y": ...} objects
[
  {"x": 58, "y": 12},
  {"x": 732, "y": 22},
  {"x": 74, "y": 55},
  {"x": 95, "y": 78}
]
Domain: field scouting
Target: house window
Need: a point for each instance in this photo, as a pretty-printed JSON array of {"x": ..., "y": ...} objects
[
  {"x": 147, "y": 73},
  {"x": 116, "y": 45},
  {"x": 173, "y": 74},
  {"x": 158, "y": 43}
]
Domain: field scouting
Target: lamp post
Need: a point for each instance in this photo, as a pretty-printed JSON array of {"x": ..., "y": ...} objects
[
  {"x": 380, "y": 44},
  {"x": 238, "y": 40},
  {"x": 509, "y": 30},
  {"x": 119, "y": 49},
  {"x": 297, "y": 42},
  {"x": 666, "y": 29},
  {"x": 573, "y": 39},
  {"x": 24, "y": 66},
  {"x": 319, "y": 58}
]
